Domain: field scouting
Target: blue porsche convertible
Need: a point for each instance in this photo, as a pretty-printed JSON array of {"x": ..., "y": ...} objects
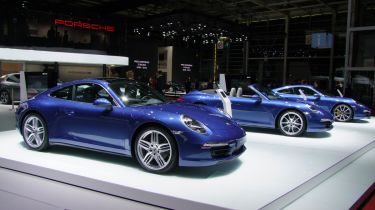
[
  {"x": 129, "y": 118},
  {"x": 343, "y": 109},
  {"x": 260, "y": 107}
]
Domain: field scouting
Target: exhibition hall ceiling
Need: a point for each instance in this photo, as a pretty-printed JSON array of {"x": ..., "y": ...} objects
[{"x": 239, "y": 11}]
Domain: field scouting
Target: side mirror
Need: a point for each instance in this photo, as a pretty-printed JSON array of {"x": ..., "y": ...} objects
[
  {"x": 317, "y": 96},
  {"x": 257, "y": 98},
  {"x": 102, "y": 102}
]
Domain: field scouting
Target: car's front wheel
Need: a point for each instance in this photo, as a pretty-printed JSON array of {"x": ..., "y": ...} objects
[
  {"x": 342, "y": 113},
  {"x": 4, "y": 97},
  {"x": 35, "y": 132},
  {"x": 155, "y": 150},
  {"x": 292, "y": 123}
]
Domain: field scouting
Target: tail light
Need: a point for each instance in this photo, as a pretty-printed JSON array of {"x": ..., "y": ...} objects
[{"x": 180, "y": 99}]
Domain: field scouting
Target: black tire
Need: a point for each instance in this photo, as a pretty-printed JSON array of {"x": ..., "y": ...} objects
[
  {"x": 291, "y": 123},
  {"x": 342, "y": 113},
  {"x": 151, "y": 152},
  {"x": 4, "y": 97},
  {"x": 28, "y": 130}
]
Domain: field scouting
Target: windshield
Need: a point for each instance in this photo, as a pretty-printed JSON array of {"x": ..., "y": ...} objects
[
  {"x": 136, "y": 94},
  {"x": 267, "y": 92}
]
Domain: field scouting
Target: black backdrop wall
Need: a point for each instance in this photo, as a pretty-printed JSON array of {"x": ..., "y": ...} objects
[
  {"x": 184, "y": 64},
  {"x": 143, "y": 58}
]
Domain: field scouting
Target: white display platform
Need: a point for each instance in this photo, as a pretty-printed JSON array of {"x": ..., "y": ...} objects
[
  {"x": 273, "y": 172},
  {"x": 341, "y": 190}
]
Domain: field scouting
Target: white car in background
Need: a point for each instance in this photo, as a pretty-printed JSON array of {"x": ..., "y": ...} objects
[{"x": 8, "y": 83}]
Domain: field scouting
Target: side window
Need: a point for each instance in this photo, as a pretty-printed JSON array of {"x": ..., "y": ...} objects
[
  {"x": 64, "y": 93},
  {"x": 286, "y": 91},
  {"x": 103, "y": 94},
  {"x": 306, "y": 91},
  {"x": 14, "y": 78},
  {"x": 88, "y": 93},
  {"x": 249, "y": 93}
]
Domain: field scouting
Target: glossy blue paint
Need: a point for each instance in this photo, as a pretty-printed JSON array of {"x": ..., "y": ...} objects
[
  {"x": 93, "y": 126},
  {"x": 324, "y": 101},
  {"x": 260, "y": 111}
]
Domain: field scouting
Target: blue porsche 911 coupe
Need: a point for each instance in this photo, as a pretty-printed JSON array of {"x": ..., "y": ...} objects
[
  {"x": 259, "y": 107},
  {"x": 343, "y": 109},
  {"x": 128, "y": 118}
]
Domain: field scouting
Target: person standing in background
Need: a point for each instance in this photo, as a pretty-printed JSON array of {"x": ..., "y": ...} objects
[
  {"x": 130, "y": 75},
  {"x": 152, "y": 82},
  {"x": 58, "y": 38},
  {"x": 65, "y": 38},
  {"x": 51, "y": 35},
  {"x": 160, "y": 82},
  {"x": 188, "y": 84},
  {"x": 210, "y": 84},
  {"x": 196, "y": 84}
]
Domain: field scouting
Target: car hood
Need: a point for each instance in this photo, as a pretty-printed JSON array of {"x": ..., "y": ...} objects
[
  {"x": 209, "y": 116},
  {"x": 196, "y": 92}
]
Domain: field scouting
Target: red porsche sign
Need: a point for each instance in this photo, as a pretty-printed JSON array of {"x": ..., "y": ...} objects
[{"x": 78, "y": 24}]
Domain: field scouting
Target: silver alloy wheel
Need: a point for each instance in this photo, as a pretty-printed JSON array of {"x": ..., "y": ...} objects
[
  {"x": 342, "y": 113},
  {"x": 4, "y": 97},
  {"x": 154, "y": 150},
  {"x": 34, "y": 131},
  {"x": 291, "y": 123}
]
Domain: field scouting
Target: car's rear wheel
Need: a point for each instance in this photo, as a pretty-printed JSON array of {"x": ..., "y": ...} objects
[
  {"x": 292, "y": 123},
  {"x": 342, "y": 113},
  {"x": 155, "y": 150},
  {"x": 4, "y": 97},
  {"x": 35, "y": 132}
]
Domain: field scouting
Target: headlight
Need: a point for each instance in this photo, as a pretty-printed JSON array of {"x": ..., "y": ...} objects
[
  {"x": 193, "y": 124},
  {"x": 359, "y": 104},
  {"x": 312, "y": 108},
  {"x": 224, "y": 113}
]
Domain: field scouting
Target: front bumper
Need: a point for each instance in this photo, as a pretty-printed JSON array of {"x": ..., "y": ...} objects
[
  {"x": 327, "y": 124},
  {"x": 224, "y": 150},
  {"x": 319, "y": 122},
  {"x": 361, "y": 114},
  {"x": 212, "y": 153}
]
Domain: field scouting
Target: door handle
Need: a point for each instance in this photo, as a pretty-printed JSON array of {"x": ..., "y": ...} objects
[{"x": 69, "y": 112}]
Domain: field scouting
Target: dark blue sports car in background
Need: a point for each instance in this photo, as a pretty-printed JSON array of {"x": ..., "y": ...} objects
[
  {"x": 260, "y": 107},
  {"x": 129, "y": 118},
  {"x": 343, "y": 109}
]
